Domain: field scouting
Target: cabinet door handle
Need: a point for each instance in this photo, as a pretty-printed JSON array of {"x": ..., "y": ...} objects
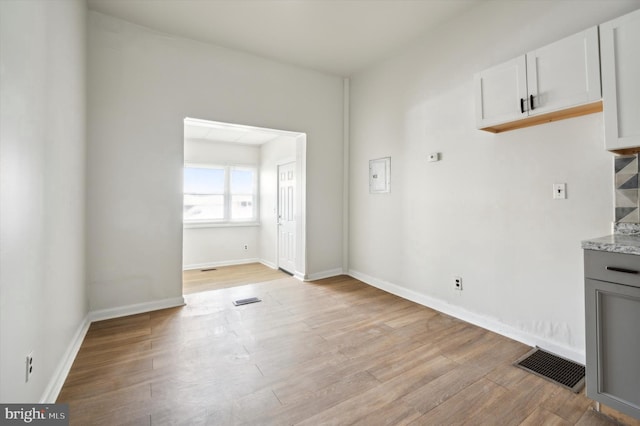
[
  {"x": 521, "y": 105},
  {"x": 531, "y": 102},
  {"x": 624, "y": 271}
]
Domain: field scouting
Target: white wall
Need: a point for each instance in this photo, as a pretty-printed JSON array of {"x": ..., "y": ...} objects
[
  {"x": 217, "y": 246},
  {"x": 272, "y": 153},
  {"x": 42, "y": 192},
  {"x": 142, "y": 84},
  {"x": 202, "y": 151},
  {"x": 221, "y": 246},
  {"x": 485, "y": 212}
]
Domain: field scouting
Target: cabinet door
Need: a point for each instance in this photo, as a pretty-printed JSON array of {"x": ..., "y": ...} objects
[
  {"x": 620, "y": 49},
  {"x": 499, "y": 91},
  {"x": 613, "y": 345},
  {"x": 565, "y": 73}
]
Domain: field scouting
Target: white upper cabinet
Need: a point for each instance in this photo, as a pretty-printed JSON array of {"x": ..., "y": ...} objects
[
  {"x": 550, "y": 83},
  {"x": 620, "y": 49},
  {"x": 500, "y": 93},
  {"x": 565, "y": 73}
]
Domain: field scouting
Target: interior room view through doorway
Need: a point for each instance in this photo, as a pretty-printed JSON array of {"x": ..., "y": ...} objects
[{"x": 244, "y": 204}]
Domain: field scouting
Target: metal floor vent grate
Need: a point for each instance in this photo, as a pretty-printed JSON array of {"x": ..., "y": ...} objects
[
  {"x": 247, "y": 301},
  {"x": 559, "y": 370}
]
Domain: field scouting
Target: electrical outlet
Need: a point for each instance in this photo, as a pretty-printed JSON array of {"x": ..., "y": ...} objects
[
  {"x": 29, "y": 366},
  {"x": 246, "y": 246},
  {"x": 457, "y": 283}
]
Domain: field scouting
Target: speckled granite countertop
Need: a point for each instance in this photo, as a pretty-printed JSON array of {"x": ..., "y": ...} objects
[
  {"x": 625, "y": 240},
  {"x": 616, "y": 243}
]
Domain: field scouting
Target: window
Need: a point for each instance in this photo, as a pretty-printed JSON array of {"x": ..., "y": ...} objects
[
  {"x": 219, "y": 194},
  {"x": 241, "y": 190}
]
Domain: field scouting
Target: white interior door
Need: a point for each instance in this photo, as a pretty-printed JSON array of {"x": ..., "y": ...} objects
[{"x": 287, "y": 217}]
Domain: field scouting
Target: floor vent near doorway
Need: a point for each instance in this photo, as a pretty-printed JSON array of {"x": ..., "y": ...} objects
[
  {"x": 246, "y": 301},
  {"x": 559, "y": 370}
]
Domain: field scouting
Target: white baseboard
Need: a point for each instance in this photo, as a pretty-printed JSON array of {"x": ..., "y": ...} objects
[
  {"x": 138, "y": 308},
  {"x": 61, "y": 372},
  {"x": 220, "y": 264},
  {"x": 488, "y": 323},
  {"x": 268, "y": 264},
  {"x": 324, "y": 274}
]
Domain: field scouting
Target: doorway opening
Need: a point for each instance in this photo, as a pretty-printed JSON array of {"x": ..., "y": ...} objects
[{"x": 236, "y": 210}]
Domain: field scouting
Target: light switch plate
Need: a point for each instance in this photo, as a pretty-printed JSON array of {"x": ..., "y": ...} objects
[
  {"x": 559, "y": 191},
  {"x": 379, "y": 175}
]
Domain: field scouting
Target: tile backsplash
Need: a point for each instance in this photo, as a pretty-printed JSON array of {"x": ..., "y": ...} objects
[{"x": 626, "y": 189}]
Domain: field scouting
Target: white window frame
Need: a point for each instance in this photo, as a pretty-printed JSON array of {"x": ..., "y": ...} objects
[{"x": 226, "y": 221}]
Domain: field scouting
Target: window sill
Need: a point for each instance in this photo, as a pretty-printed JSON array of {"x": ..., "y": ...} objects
[{"x": 189, "y": 225}]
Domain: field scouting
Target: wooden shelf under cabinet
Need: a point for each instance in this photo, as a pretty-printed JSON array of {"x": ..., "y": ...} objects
[{"x": 546, "y": 118}]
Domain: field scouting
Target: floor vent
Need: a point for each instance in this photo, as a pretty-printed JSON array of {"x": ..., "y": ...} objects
[
  {"x": 559, "y": 370},
  {"x": 246, "y": 301}
]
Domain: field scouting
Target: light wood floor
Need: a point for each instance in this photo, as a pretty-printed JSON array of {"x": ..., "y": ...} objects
[
  {"x": 330, "y": 352},
  {"x": 195, "y": 281}
]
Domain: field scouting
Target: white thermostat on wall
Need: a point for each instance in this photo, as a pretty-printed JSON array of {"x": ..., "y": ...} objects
[{"x": 434, "y": 156}]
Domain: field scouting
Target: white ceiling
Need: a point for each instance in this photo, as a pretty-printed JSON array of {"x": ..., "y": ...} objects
[
  {"x": 195, "y": 129},
  {"x": 336, "y": 36}
]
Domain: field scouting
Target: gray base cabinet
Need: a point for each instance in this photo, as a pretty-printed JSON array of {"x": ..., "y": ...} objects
[{"x": 612, "y": 295}]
